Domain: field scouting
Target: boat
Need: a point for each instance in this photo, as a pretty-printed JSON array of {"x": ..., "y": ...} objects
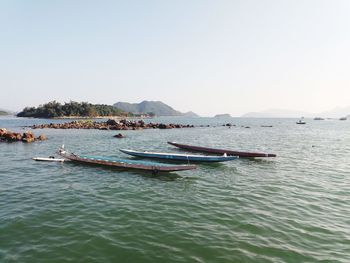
[
  {"x": 343, "y": 118},
  {"x": 179, "y": 157},
  {"x": 318, "y": 119},
  {"x": 48, "y": 159},
  {"x": 301, "y": 121},
  {"x": 222, "y": 151},
  {"x": 124, "y": 163}
]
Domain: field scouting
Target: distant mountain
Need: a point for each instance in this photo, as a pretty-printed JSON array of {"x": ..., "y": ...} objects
[
  {"x": 156, "y": 107},
  {"x": 225, "y": 115},
  {"x": 5, "y": 112},
  {"x": 281, "y": 113},
  {"x": 190, "y": 114}
]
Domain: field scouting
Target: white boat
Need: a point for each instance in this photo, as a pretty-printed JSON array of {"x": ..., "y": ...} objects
[
  {"x": 301, "y": 121},
  {"x": 49, "y": 159}
]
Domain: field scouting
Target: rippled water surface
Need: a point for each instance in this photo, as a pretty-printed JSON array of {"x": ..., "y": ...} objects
[{"x": 293, "y": 208}]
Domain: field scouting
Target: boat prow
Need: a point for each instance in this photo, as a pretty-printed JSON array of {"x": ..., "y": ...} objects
[{"x": 48, "y": 159}]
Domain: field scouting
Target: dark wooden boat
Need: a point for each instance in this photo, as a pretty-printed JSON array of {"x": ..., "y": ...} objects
[
  {"x": 222, "y": 151},
  {"x": 154, "y": 167}
]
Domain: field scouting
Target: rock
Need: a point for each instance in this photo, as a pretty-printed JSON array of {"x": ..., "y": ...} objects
[
  {"x": 112, "y": 122},
  {"x": 12, "y": 137},
  {"x": 42, "y": 137},
  {"x": 119, "y": 135},
  {"x": 2, "y": 132},
  {"x": 163, "y": 126},
  {"x": 28, "y": 137},
  {"x": 141, "y": 123},
  {"x": 124, "y": 122}
]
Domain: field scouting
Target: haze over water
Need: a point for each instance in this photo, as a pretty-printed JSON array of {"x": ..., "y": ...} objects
[
  {"x": 209, "y": 57},
  {"x": 293, "y": 208}
]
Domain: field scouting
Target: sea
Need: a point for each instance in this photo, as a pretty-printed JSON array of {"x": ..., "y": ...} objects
[{"x": 292, "y": 208}]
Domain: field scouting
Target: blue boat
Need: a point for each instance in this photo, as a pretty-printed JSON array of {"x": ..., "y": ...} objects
[{"x": 179, "y": 157}]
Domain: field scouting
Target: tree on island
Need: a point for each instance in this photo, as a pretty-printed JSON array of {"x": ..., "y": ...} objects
[{"x": 55, "y": 109}]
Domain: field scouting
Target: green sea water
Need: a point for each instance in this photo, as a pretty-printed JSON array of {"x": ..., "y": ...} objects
[{"x": 293, "y": 208}]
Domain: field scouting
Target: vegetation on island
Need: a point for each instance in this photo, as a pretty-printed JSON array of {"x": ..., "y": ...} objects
[{"x": 55, "y": 109}]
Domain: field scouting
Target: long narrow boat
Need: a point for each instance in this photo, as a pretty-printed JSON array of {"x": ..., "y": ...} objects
[
  {"x": 179, "y": 157},
  {"x": 124, "y": 163},
  {"x": 221, "y": 151}
]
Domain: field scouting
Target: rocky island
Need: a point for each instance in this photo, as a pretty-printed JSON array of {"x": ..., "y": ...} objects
[
  {"x": 55, "y": 109},
  {"x": 110, "y": 124},
  {"x": 9, "y": 136}
]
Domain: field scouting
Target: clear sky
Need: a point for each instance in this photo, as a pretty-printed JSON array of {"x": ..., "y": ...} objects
[{"x": 201, "y": 55}]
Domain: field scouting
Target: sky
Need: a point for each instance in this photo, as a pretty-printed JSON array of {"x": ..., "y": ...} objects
[{"x": 222, "y": 56}]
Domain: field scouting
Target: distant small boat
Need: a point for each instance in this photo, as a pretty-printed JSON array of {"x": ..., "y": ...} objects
[
  {"x": 124, "y": 163},
  {"x": 222, "y": 151},
  {"x": 318, "y": 119},
  {"x": 48, "y": 159},
  {"x": 179, "y": 157},
  {"x": 343, "y": 119},
  {"x": 301, "y": 121}
]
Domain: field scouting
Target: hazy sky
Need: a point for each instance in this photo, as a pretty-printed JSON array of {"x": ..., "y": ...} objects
[{"x": 206, "y": 56}]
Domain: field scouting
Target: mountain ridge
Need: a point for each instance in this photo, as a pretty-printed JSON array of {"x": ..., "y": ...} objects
[
  {"x": 157, "y": 108},
  {"x": 4, "y": 112}
]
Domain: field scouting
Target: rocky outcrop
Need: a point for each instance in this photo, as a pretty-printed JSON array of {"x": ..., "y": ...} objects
[
  {"x": 27, "y": 137},
  {"x": 41, "y": 137},
  {"x": 110, "y": 125}
]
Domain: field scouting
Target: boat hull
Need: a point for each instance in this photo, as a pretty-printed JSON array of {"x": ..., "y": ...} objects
[
  {"x": 222, "y": 151},
  {"x": 179, "y": 157},
  {"x": 127, "y": 164}
]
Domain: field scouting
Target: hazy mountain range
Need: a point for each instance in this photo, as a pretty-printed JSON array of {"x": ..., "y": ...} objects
[
  {"x": 224, "y": 115},
  {"x": 337, "y": 112},
  {"x": 4, "y": 112},
  {"x": 156, "y": 107}
]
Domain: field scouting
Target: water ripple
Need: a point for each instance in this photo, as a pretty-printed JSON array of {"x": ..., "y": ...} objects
[{"x": 290, "y": 209}]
